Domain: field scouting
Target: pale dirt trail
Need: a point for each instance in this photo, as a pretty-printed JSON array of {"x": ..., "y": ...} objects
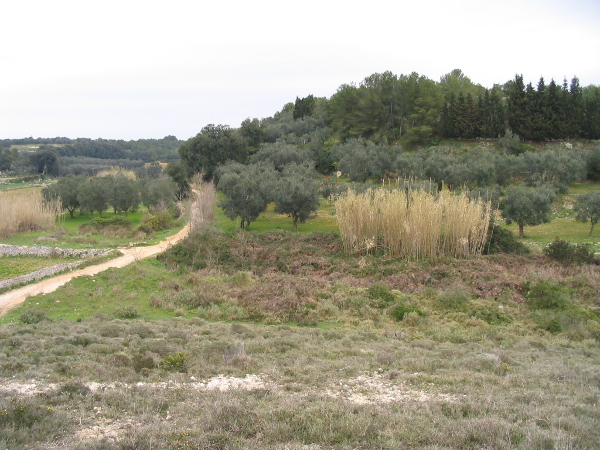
[{"x": 11, "y": 299}]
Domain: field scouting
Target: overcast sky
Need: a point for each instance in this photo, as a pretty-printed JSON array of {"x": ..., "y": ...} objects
[{"x": 132, "y": 69}]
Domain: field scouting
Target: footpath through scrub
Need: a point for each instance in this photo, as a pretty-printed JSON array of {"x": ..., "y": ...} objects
[{"x": 12, "y": 299}]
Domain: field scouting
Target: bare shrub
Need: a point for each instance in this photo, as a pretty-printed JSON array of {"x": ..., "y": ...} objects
[{"x": 22, "y": 211}]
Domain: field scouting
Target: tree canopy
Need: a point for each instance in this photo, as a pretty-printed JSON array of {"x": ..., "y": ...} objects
[
  {"x": 587, "y": 208},
  {"x": 527, "y": 206},
  {"x": 213, "y": 146}
]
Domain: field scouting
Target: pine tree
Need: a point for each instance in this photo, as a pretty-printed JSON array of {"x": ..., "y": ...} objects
[
  {"x": 517, "y": 111},
  {"x": 448, "y": 118},
  {"x": 576, "y": 110},
  {"x": 554, "y": 113},
  {"x": 592, "y": 113}
]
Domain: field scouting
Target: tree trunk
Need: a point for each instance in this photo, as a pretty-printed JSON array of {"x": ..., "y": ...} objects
[
  {"x": 592, "y": 229},
  {"x": 521, "y": 232}
]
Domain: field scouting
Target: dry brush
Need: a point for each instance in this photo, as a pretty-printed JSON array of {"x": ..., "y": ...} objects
[{"x": 24, "y": 210}]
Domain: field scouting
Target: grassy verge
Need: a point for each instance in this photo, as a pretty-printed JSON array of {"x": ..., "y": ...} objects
[
  {"x": 324, "y": 220},
  {"x": 14, "y": 266},
  {"x": 71, "y": 233}
]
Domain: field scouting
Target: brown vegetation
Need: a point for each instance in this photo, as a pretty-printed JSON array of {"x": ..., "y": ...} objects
[
  {"x": 24, "y": 210},
  {"x": 413, "y": 224}
]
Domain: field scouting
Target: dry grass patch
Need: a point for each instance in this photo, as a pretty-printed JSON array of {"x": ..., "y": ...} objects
[
  {"x": 24, "y": 210},
  {"x": 413, "y": 224}
]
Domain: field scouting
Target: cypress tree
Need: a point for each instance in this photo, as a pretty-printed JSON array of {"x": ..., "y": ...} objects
[
  {"x": 576, "y": 110},
  {"x": 517, "y": 110}
]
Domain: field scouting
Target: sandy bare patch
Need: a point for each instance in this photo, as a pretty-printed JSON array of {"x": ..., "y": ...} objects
[{"x": 374, "y": 388}]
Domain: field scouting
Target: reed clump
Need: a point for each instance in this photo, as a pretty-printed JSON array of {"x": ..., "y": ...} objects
[
  {"x": 413, "y": 223},
  {"x": 202, "y": 210},
  {"x": 25, "y": 210}
]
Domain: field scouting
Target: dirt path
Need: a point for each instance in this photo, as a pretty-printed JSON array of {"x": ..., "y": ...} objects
[{"x": 11, "y": 299}]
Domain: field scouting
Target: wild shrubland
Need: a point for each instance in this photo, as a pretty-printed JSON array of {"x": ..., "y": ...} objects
[
  {"x": 279, "y": 339},
  {"x": 203, "y": 349}
]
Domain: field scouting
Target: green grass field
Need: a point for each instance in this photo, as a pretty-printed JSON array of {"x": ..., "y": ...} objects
[
  {"x": 14, "y": 266},
  {"x": 68, "y": 233},
  {"x": 324, "y": 220}
]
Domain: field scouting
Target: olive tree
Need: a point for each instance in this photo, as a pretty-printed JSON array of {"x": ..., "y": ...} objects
[
  {"x": 527, "y": 206},
  {"x": 213, "y": 146},
  {"x": 123, "y": 194},
  {"x": 362, "y": 160},
  {"x": 93, "y": 195},
  {"x": 588, "y": 208},
  {"x": 246, "y": 190},
  {"x": 296, "y": 192},
  {"x": 281, "y": 154},
  {"x": 158, "y": 193},
  {"x": 67, "y": 189}
]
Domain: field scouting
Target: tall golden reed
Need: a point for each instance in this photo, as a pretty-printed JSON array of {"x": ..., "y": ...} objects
[
  {"x": 413, "y": 224},
  {"x": 202, "y": 208},
  {"x": 24, "y": 210}
]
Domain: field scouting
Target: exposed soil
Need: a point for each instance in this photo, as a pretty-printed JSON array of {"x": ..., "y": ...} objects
[{"x": 11, "y": 299}]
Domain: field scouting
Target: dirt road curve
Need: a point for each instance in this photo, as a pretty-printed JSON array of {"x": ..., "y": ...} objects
[{"x": 13, "y": 298}]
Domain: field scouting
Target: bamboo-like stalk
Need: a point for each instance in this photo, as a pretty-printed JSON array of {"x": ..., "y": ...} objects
[
  {"x": 22, "y": 211},
  {"x": 413, "y": 223},
  {"x": 202, "y": 208}
]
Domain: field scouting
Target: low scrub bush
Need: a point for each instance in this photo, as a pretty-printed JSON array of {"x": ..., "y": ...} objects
[
  {"x": 380, "y": 295},
  {"x": 401, "y": 311},
  {"x": 102, "y": 222},
  {"x": 75, "y": 389},
  {"x": 160, "y": 220},
  {"x": 25, "y": 421},
  {"x": 501, "y": 240},
  {"x": 175, "y": 362},
  {"x": 127, "y": 312},
  {"x": 199, "y": 251},
  {"x": 33, "y": 316},
  {"x": 454, "y": 299},
  {"x": 492, "y": 315},
  {"x": 141, "y": 362},
  {"x": 546, "y": 294},
  {"x": 567, "y": 253}
]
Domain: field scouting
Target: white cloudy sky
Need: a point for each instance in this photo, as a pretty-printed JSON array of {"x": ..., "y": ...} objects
[{"x": 132, "y": 69}]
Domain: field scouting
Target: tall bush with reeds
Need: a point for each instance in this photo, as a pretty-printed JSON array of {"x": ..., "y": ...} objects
[
  {"x": 413, "y": 223},
  {"x": 25, "y": 210}
]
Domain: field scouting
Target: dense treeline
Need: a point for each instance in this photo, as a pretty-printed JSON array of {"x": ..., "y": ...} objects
[
  {"x": 413, "y": 109},
  {"x": 362, "y": 160},
  {"x": 119, "y": 192},
  {"x": 366, "y": 132},
  {"x": 391, "y": 127},
  {"x": 146, "y": 150},
  {"x": 388, "y": 113}
]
